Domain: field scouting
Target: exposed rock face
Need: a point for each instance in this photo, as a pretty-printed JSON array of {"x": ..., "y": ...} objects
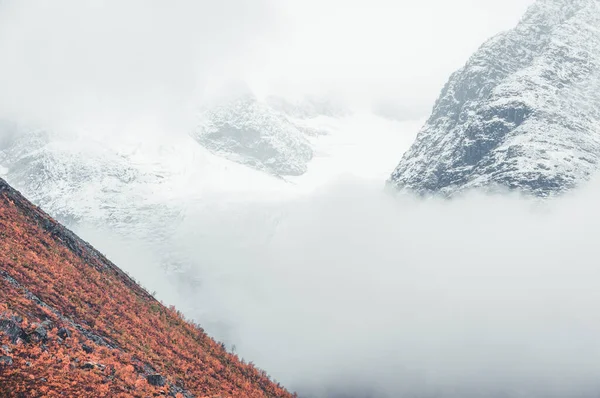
[
  {"x": 523, "y": 113},
  {"x": 11, "y": 328},
  {"x": 250, "y": 132},
  {"x": 156, "y": 380},
  {"x": 5, "y": 360},
  {"x": 40, "y": 334},
  {"x": 64, "y": 333}
]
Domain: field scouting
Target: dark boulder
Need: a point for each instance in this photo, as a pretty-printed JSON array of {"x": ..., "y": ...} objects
[
  {"x": 39, "y": 334},
  {"x": 87, "y": 348},
  {"x": 11, "y": 329},
  {"x": 6, "y": 361},
  {"x": 88, "y": 365},
  {"x": 63, "y": 333},
  {"x": 156, "y": 380},
  {"x": 175, "y": 390}
]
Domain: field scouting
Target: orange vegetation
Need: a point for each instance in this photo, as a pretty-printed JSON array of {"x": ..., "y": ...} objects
[{"x": 73, "y": 324}]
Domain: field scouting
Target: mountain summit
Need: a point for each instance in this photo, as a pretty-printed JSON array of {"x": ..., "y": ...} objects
[{"x": 523, "y": 113}]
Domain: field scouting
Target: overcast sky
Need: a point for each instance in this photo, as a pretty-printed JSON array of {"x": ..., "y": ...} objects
[
  {"x": 99, "y": 64},
  {"x": 402, "y": 50}
]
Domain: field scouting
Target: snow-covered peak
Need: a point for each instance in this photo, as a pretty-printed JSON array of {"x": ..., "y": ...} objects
[
  {"x": 523, "y": 113},
  {"x": 550, "y": 13}
]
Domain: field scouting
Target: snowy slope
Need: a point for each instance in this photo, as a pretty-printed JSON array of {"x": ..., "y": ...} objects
[
  {"x": 129, "y": 183},
  {"x": 523, "y": 113},
  {"x": 250, "y": 132},
  {"x": 147, "y": 183}
]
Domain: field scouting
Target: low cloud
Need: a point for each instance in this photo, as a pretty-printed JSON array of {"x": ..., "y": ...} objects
[
  {"x": 351, "y": 292},
  {"x": 143, "y": 67},
  {"x": 107, "y": 66}
]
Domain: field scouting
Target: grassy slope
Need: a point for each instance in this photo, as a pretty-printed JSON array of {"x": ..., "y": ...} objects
[{"x": 51, "y": 278}]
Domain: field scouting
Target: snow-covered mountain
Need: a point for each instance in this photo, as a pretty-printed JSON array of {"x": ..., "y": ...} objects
[
  {"x": 250, "y": 132},
  {"x": 130, "y": 183},
  {"x": 523, "y": 113},
  {"x": 149, "y": 180},
  {"x": 137, "y": 183}
]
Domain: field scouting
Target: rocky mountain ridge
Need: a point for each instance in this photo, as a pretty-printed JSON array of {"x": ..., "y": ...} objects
[{"x": 523, "y": 113}]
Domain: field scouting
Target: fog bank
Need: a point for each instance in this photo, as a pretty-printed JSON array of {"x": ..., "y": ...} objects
[{"x": 352, "y": 291}]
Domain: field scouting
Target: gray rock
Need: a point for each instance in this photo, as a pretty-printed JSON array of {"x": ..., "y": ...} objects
[
  {"x": 64, "y": 333},
  {"x": 174, "y": 390},
  {"x": 156, "y": 380},
  {"x": 522, "y": 114},
  {"x": 5, "y": 361},
  {"x": 39, "y": 334},
  {"x": 11, "y": 329},
  {"x": 88, "y": 365}
]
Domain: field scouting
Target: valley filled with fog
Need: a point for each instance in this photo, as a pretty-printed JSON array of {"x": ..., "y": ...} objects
[{"x": 349, "y": 288}]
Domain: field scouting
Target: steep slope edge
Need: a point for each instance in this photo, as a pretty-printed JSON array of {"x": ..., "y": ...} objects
[
  {"x": 73, "y": 324},
  {"x": 523, "y": 113}
]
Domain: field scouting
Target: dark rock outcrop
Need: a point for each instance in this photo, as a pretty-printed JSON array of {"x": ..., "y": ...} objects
[
  {"x": 64, "y": 333},
  {"x": 12, "y": 329},
  {"x": 5, "y": 361},
  {"x": 39, "y": 334},
  {"x": 156, "y": 380}
]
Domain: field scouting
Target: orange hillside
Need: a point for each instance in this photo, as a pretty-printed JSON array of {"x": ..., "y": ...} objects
[{"x": 73, "y": 324}]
